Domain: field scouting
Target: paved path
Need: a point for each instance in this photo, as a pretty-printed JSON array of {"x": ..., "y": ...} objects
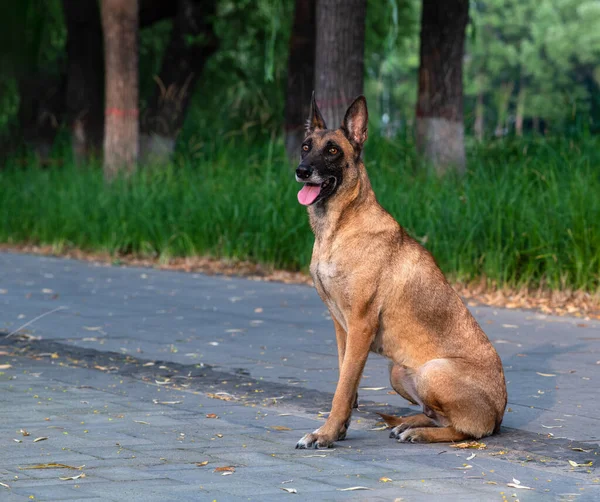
[{"x": 126, "y": 381}]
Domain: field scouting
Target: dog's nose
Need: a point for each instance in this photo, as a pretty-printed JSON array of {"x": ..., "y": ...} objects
[{"x": 304, "y": 172}]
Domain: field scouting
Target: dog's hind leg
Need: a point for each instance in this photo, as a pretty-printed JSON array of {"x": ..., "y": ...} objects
[
  {"x": 432, "y": 435},
  {"x": 405, "y": 423},
  {"x": 401, "y": 380},
  {"x": 463, "y": 406}
]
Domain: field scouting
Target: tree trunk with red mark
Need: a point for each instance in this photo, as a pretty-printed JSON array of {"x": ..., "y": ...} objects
[
  {"x": 121, "y": 142},
  {"x": 339, "y": 62}
]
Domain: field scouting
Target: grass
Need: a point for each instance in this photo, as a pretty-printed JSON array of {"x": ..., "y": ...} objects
[{"x": 526, "y": 214}]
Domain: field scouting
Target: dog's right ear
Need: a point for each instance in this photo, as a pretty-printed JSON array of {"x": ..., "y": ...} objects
[{"x": 315, "y": 120}]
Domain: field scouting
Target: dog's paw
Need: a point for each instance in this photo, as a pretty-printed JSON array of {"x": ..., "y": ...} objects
[
  {"x": 411, "y": 436},
  {"x": 316, "y": 439},
  {"x": 397, "y": 431}
]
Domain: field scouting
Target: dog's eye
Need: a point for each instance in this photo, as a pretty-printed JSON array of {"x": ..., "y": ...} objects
[
  {"x": 305, "y": 148},
  {"x": 333, "y": 150}
]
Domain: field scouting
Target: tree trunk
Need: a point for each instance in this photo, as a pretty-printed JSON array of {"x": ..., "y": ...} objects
[
  {"x": 440, "y": 128},
  {"x": 301, "y": 76},
  {"x": 183, "y": 62},
  {"x": 85, "y": 76},
  {"x": 41, "y": 110},
  {"x": 479, "y": 124},
  {"x": 120, "y": 26},
  {"x": 520, "y": 112},
  {"x": 503, "y": 101},
  {"x": 339, "y": 61}
]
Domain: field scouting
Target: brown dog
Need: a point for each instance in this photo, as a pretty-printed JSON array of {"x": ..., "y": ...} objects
[{"x": 386, "y": 295}]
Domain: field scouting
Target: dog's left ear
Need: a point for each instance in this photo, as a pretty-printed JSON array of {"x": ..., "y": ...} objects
[{"x": 355, "y": 123}]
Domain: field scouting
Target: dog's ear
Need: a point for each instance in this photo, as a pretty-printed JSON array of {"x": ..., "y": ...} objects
[
  {"x": 355, "y": 123},
  {"x": 315, "y": 119}
]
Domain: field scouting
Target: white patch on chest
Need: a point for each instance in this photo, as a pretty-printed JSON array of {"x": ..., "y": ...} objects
[
  {"x": 326, "y": 270},
  {"x": 326, "y": 275}
]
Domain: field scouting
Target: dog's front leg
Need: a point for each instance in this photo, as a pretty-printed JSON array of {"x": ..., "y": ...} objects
[
  {"x": 358, "y": 341},
  {"x": 340, "y": 336}
]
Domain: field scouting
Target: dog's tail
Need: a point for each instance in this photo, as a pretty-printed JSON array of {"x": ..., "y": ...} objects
[{"x": 390, "y": 420}]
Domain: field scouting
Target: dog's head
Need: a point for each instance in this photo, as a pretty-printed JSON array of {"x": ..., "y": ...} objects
[{"x": 331, "y": 157}]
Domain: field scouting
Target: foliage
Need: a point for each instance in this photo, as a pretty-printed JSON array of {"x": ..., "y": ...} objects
[
  {"x": 539, "y": 59},
  {"x": 547, "y": 50},
  {"x": 526, "y": 213},
  {"x": 32, "y": 41}
]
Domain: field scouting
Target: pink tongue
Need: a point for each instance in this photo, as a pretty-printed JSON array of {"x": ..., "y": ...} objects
[{"x": 308, "y": 194}]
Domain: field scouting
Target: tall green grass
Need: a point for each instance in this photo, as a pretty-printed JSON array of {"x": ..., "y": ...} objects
[{"x": 526, "y": 214}]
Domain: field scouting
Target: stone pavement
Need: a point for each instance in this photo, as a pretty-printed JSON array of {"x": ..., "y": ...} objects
[{"x": 146, "y": 375}]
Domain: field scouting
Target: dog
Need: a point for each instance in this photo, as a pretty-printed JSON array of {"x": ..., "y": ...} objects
[{"x": 387, "y": 295}]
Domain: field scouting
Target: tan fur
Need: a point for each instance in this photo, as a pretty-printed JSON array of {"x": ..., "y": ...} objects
[{"x": 387, "y": 295}]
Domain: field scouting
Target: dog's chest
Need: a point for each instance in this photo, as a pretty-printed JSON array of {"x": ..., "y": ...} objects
[{"x": 330, "y": 283}]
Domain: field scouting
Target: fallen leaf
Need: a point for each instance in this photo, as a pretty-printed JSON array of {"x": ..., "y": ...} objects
[
  {"x": 219, "y": 435},
  {"x": 24, "y": 432},
  {"x": 149, "y": 363},
  {"x": 43, "y": 438},
  {"x": 372, "y": 388},
  {"x": 92, "y": 328},
  {"x": 163, "y": 382},
  {"x": 546, "y": 374},
  {"x": 551, "y": 426},
  {"x": 202, "y": 464},
  {"x": 18, "y": 440},
  {"x": 4, "y": 485},
  {"x": 352, "y": 489},
  {"x": 52, "y": 465},
  {"x": 5, "y": 366},
  {"x": 510, "y": 326},
  {"x": 290, "y": 490},
  {"x": 79, "y": 476},
  {"x": 581, "y": 449},
  {"x": 520, "y": 487},
  {"x": 474, "y": 445},
  {"x": 382, "y": 428},
  {"x": 141, "y": 422},
  {"x": 575, "y": 464},
  {"x": 211, "y": 415},
  {"x": 223, "y": 396},
  {"x": 464, "y": 466},
  {"x": 280, "y": 428},
  {"x": 316, "y": 455},
  {"x": 156, "y": 401},
  {"x": 226, "y": 468},
  {"x": 385, "y": 480},
  {"x": 472, "y": 456}
]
